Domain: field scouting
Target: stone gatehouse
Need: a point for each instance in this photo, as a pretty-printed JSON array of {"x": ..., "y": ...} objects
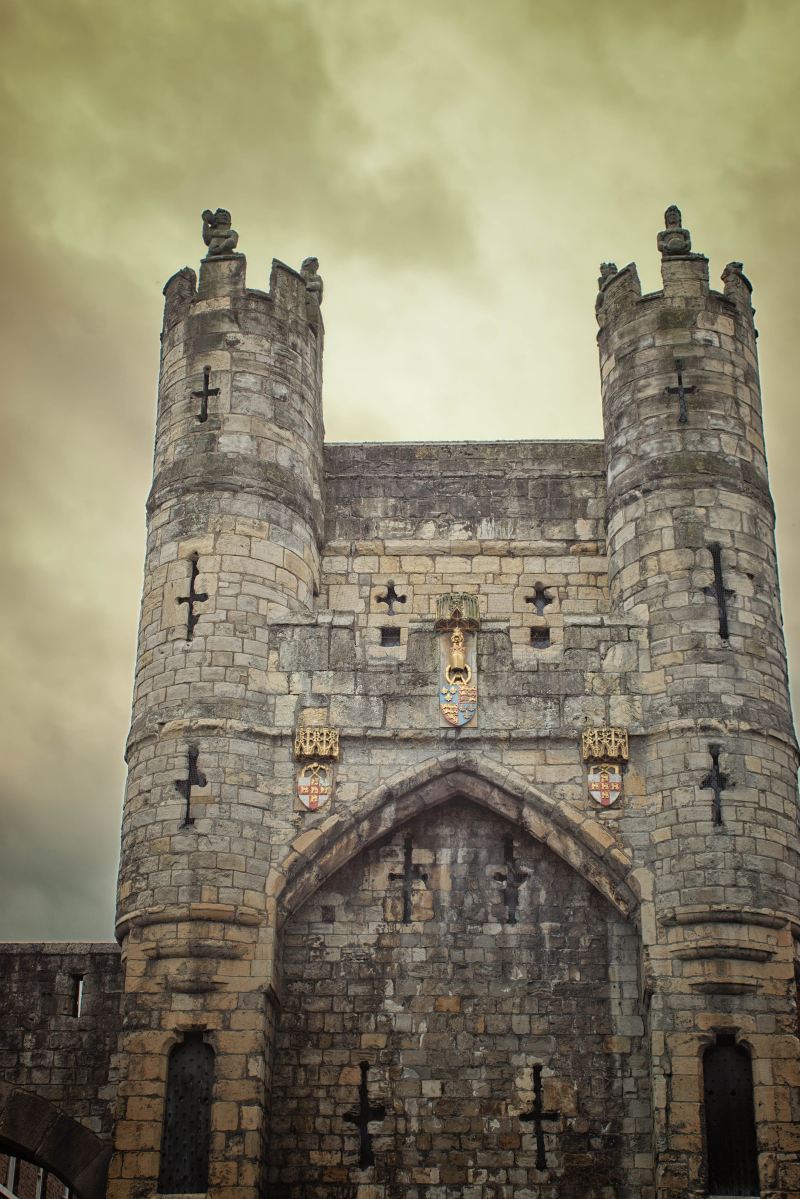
[{"x": 460, "y": 844}]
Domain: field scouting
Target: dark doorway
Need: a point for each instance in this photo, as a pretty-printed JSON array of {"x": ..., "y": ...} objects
[
  {"x": 730, "y": 1119},
  {"x": 187, "y": 1117}
]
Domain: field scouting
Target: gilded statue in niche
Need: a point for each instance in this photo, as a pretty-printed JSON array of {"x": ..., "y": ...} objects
[
  {"x": 457, "y": 616},
  {"x": 458, "y": 669}
]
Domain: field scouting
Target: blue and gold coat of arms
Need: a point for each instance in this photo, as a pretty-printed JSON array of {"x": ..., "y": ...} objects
[{"x": 458, "y": 699}]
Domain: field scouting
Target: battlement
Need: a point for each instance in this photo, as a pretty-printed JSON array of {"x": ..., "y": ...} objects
[
  {"x": 223, "y": 278},
  {"x": 679, "y": 372},
  {"x": 685, "y": 277}
]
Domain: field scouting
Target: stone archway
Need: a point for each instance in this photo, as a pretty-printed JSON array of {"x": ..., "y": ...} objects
[
  {"x": 424, "y": 986},
  {"x": 33, "y": 1128},
  {"x": 583, "y": 842}
]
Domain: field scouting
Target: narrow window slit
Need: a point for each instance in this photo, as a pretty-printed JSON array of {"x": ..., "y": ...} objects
[
  {"x": 537, "y": 1115},
  {"x": 194, "y": 778},
  {"x": 390, "y": 636},
  {"x": 77, "y": 994},
  {"x": 718, "y": 591},
  {"x": 194, "y": 597},
  {"x": 511, "y": 880},
  {"x": 716, "y": 781},
  {"x": 365, "y": 1114},
  {"x": 411, "y": 874},
  {"x": 681, "y": 391},
  {"x": 205, "y": 395},
  {"x": 540, "y": 638}
]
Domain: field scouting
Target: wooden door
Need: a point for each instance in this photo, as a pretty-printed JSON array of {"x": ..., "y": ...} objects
[
  {"x": 730, "y": 1120},
  {"x": 187, "y": 1117}
]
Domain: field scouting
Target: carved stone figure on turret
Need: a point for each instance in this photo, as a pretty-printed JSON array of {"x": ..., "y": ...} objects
[
  {"x": 607, "y": 272},
  {"x": 217, "y": 233},
  {"x": 673, "y": 238},
  {"x": 314, "y": 288},
  {"x": 738, "y": 287}
]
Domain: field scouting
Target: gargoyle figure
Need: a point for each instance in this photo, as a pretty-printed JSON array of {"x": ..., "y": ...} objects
[{"x": 217, "y": 233}]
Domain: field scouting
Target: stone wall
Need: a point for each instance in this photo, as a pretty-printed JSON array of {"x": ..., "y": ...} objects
[
  {"x": 450, "y": 959},
  {"x": 45, "y": 1047}
]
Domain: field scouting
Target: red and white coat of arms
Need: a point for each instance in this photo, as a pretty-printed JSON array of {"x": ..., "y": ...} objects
[
  {"x": 605, "y": 783},
  {"x": 314, "y": 785}
]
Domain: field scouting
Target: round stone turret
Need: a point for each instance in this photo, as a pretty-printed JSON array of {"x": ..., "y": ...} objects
[
  {"x": 692, "y": 559},
  {"x": 688, "y": 494},
  {"x": 692, "y": 548},
  {"x": 235, "y": 521}
]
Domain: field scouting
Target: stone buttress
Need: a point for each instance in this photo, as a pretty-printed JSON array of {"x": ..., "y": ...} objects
[
  {"x": 234, "y": 530},
  {"x": 692, "y": 552}
]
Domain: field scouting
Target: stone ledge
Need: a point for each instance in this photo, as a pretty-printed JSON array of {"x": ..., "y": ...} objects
[
  {"x": 704, "y": 951},
  {"x": 728, "y": 914},
  {"x": 62, "y": 948},
  {"x": 214, "y": 913}
]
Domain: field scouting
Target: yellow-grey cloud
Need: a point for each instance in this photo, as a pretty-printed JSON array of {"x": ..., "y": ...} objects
[{"x": 460, "y": 169}]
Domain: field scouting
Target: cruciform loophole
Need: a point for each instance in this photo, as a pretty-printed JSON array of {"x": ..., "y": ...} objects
[
  {"x": 540, "y": 599},
  {"x": 391, "y": 598}
]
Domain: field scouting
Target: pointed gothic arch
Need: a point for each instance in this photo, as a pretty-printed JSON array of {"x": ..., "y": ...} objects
[
  {"x": 34, "y": 1128},
  {"x": 364, "y": 954},
  {"x": 581, "y": 841}
]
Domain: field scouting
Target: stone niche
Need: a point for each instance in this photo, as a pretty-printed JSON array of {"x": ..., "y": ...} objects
[{"x": 447, "y": 967}]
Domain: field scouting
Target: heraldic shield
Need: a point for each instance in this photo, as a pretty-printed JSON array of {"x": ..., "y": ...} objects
[
  {"x": 314, "y": 785},
  {"x": 605, "y": 783},
  {"x": 458, "y": 703},
  {"x": 458, "y": 700}
]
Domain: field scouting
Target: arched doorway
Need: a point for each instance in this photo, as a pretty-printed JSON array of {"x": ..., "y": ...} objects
[
  {"x": 460, "y": 1014},
  {"x": 730, "y": 1122}
]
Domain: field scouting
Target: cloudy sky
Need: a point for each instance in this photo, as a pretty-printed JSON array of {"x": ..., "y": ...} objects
[{"x": 460, "y": 168}]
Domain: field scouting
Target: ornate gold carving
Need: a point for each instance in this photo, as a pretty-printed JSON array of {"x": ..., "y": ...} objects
[
  {"x": 605, "y": 744},
  {"x": 458, "y": 669},
  {"x": 458, "y": 610},
  {"x": 458, "y": 615},
  {"x": 320, "y": 742}
]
